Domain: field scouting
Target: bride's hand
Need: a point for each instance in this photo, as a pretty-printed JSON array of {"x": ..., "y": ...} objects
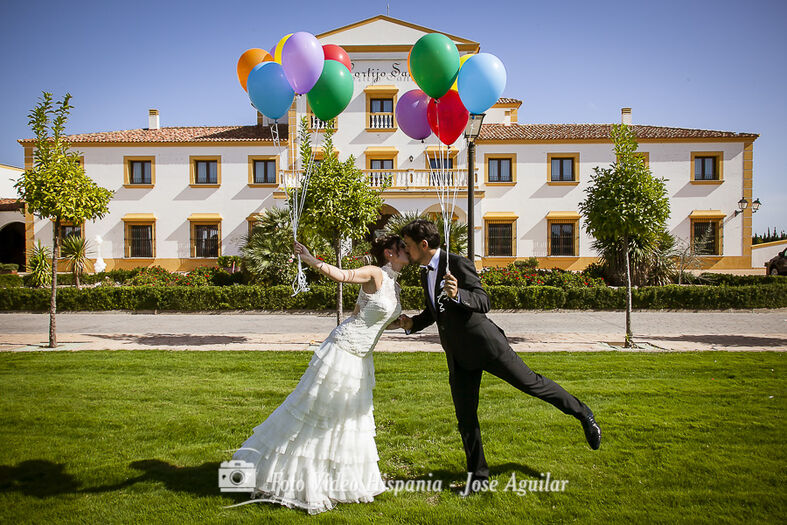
[{"x": 302, "y": 251}]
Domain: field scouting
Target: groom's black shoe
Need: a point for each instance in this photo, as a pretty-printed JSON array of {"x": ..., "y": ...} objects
[{"x": 591, "y": 428}]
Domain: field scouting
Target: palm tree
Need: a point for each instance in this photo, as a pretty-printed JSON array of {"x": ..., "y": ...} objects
[
  {"x": 74, "y": 251},
  {"x": 457, "y": 234},
  {"x": 41, "y": 265}
]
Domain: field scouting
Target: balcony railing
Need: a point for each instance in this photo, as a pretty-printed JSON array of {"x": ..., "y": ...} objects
[
  {"x": 381, "y": 121},
  {"x": 398, "y": 179},
  {"x": 315, "y": 123}
]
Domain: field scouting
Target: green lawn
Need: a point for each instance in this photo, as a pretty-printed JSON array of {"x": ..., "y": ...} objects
[{"x": 137, "y": 436}]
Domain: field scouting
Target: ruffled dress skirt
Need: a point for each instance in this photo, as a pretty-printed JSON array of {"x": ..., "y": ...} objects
[{"x": 317, "y": 448}]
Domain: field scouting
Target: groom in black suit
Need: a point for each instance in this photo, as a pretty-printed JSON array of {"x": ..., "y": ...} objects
[{"x": 456, "y": 301}]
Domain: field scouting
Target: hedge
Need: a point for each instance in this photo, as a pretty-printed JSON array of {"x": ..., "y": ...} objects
[{"x": 244, "y": 297}]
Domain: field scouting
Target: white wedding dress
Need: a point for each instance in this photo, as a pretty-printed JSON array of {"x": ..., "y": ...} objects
[{"x": 317, "y": 448}]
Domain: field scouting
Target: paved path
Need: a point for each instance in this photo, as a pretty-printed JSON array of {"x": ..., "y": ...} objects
[{"x": 527, "y": 331}]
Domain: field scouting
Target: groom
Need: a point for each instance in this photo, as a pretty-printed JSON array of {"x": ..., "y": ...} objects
[{"x": 472, "y": 343}]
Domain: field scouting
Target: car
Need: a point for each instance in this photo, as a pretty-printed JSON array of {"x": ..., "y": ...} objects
[{"x": 777, "y": 265}]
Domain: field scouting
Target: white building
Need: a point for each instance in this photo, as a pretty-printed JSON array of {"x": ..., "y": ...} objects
[
  {"x": 12, "y": 218},
  {"x": 184, "y": 195}
]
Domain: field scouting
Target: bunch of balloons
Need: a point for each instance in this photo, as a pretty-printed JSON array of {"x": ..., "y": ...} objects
[
  {"x": 452, "y": 87},
  {"x": 297, "y": 64}
]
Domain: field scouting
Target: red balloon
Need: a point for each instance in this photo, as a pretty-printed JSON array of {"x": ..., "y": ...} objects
[
  {"x": 334, "y": 52},
  {"x": 447, "y": 117}
]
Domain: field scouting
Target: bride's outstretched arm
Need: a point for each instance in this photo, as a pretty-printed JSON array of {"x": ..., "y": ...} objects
[{"x": 361, "y": 275}]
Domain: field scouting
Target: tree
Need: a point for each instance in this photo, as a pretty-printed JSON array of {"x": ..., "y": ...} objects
[
  {"x": 340, "y": 203},
  {"x": 626, "y": 203},
  {"x": 56, "y": 187}
]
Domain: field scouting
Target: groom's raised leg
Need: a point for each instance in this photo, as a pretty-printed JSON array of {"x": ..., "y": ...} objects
[
  {"x": 511, "y": 369},
  {"x": 464, "y": 391}
]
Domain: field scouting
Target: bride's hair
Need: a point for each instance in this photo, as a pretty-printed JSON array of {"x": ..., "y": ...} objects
[{"x": 385, "y": 242}]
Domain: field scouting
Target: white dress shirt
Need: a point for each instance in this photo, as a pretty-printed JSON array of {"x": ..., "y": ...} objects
[{"x": 431, "y": 276}]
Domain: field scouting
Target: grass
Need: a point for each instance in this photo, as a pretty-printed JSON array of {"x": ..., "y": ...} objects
[{"x": 136, "y": 437}]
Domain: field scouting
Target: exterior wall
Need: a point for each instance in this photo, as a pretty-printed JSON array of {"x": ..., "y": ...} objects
[
  {"x": 8, "y": 177},
  {"x": 762, "y": 253},
  {"x": 172, "y": 201}
]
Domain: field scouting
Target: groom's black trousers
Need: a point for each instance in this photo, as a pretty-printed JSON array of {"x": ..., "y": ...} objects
[{"x": 510, "y": 368}]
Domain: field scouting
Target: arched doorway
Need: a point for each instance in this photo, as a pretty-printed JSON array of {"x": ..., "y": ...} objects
[{"x": 12, "y": 244}]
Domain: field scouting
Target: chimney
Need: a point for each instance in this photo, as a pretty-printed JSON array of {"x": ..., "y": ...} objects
[
  {"x": 260, "y": 119},
  {"x": 153, "y": 119},
  {"x": 625, "y": 116}
]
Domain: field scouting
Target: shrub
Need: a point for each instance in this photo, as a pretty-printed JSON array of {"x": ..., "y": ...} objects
[{"x": 11, "y": 281}]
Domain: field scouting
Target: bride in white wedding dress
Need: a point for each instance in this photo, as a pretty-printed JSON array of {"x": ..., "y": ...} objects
[{"x": 317, "y": 448}]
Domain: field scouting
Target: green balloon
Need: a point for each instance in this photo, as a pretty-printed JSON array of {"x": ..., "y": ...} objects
[
  {"x": 332, "y": 92},
  {"x": 434, "y": 64}
]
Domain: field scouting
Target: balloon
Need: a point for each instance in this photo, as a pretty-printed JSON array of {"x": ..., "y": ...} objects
[
  {"x": 411, "y": 114},
  {"x": 269, "y": 90},
  {"x": 434, "y": 64},
  {"x": 302, "y": 58},
  {"x": 481, "y": 82},
  {"x": 334, "y": 52},
  {"x": 447, "y": 117},
  {"x": 276, "y": 50},
  {"x": 462, "y": 60},
  {"x": 332, "y": 92},
  {"x": 248, "y": 60}
]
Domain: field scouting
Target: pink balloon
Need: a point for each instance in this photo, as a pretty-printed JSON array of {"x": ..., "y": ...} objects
[
  {"x": 302, "y": 58},
  {"x": 411, "y": 114}
]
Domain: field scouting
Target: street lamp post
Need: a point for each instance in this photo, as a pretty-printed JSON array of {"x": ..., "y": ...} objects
[{"x": 472, "y": 131}]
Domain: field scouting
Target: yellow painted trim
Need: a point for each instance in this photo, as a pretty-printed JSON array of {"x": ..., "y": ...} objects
[
  {"x": 381, "y": 150},
  {"x": 490, "y": 156},
  {"x": 494, "y": 215},
  {"x": 768, "y": 244},
  {"x": 557, "y": 215},
  {"x": 719, "y": 220},
  {"x": 607, "y": 141},
  {"x": 193, "y": 172},
  {"x": 706, "y": 182},
  {"x": 251, "y": 182},
  {"x": 130, "y": 217},
  {"x": 127, "y": 171},
  {"x": 403, "y": 194},
  {"x": 380, "y": 91},
  {"x": 748, "y": 175},
  {"x": 205, "y": 217},
  {"x": 393, "y": 21},
  {"x": 719, "y": 155},
  {"x": 181, "y": 144},
  {"x": 20, "y": 170},
  {"x": 575, "y": 167},
  {"x": 434, "y": 153},
  {"x": 707, "y": 214}
]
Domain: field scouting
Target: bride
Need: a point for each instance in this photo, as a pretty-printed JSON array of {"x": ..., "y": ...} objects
[{"x": 317, "y": 448}]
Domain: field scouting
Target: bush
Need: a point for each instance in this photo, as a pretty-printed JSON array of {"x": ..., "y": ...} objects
[
  {"x": 11, "y": 281},
  {"x": 8, "y": 268},
  {"x": 523, "y": 275},
  {"x": 243, "y": 297}
]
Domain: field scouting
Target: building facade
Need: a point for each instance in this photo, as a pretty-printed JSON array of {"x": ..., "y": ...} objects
[{"x": 185, "y": 195}]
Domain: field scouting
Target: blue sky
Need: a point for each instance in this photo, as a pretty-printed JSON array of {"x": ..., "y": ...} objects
[{"x": 691, "y": 63}]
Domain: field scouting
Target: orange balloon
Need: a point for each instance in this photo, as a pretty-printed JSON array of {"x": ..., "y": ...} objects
[
  {"x": 408, "y": 65},
  {"x": 248, "y": 60}
]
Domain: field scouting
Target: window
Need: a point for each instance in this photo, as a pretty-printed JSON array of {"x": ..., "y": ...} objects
[
  {"x": 437, "y": 163},
  {"x": 381, "y": 164},
  {"x": 561, "y": 239},
  {"x": 562, "y": 168},
  {"x": 500, "y": 234},
  {"x": 500, "y": 169},
  {"x": 139, "y": 172},
  {"x": 205, "y": 171},
  {"x": 141, "y": 240},
  {"x": 705, "y": 237},
  {"x": 563, "y": 234},
  {"x": 140, "y": 235},
  {"x": 706, "y": 167},
  {"x": 66, "y": 230},
  {"x": 380, "y": 104},
  {"x": 263, "y": 170},
  {"x": 205, "y": 235}
]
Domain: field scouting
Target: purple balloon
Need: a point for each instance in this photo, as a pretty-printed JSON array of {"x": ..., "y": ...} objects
[
  {"x": 411, "y": 114},
  {"x": 302, "y": 58}
]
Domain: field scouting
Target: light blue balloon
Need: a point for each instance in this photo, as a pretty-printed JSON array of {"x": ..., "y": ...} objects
[
  {"x": 481, "y": 81},
  {"x": 269, "y": 90}
]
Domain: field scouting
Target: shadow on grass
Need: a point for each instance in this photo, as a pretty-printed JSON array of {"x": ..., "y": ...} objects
[
  {"x": 42, "y": 478},
  {"x": 174, "y": 339}
]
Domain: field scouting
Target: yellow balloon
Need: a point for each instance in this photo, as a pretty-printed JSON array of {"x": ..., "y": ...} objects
[
  {"x": 279, "y": 46},
  {"x": 462, "y": 60}
]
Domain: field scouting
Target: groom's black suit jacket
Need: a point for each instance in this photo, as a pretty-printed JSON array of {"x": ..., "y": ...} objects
[{"x": 468, "y": 337}]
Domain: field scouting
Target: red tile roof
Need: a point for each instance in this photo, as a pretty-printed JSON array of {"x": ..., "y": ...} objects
[
  {"x": 538, "y": 132},
  {"x": 181, "y": 134},
  {"x": 504, "y": 100},
  {"x": 11, "y": 204}
]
